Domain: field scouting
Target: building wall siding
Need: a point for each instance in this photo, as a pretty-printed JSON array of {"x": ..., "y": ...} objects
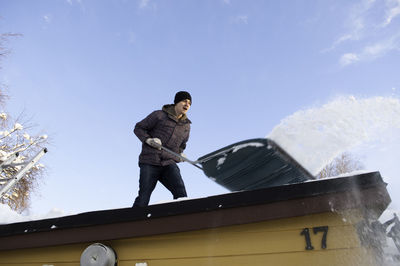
[{"x": 274, "y": 242}]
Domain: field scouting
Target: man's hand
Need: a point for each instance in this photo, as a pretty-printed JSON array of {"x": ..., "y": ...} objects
[
  {"x": 154, "y": 142},
  {"x": 183, "y": 155}
]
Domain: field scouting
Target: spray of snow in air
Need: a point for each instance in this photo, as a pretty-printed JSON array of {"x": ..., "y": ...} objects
[{"x": 314, "y": 137}]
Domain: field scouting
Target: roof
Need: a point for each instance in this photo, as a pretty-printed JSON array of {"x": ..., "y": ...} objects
[{"x": 364, "y": 190}]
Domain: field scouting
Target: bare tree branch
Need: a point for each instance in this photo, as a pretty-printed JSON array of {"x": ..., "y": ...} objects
[
  {"x": 344, "y": 163},
  {"x": 16, "y": 135}
]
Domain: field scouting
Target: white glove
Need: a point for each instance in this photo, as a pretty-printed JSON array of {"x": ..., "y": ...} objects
[
  {"x": 154, "y": 142},
  {"x": 183, "y": 155}
]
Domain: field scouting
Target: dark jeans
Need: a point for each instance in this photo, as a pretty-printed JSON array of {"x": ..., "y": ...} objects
[{"x": 169, "y": 176}]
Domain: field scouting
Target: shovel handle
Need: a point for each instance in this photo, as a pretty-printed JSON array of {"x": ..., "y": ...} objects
[{"x": 181, "y": 157}]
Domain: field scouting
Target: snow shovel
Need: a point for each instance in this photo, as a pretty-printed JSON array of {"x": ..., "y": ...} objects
[
  {"x": 183, "y": 158},
  {"x": 250, "y": 164},
  {"x": 253, "y": 164}
]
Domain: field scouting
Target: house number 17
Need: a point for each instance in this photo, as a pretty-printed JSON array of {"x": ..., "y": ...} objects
[{"x": 306, "y": 234}]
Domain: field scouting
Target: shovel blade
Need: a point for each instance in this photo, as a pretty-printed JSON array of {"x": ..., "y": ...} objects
[{"x": 253, "y": 164}]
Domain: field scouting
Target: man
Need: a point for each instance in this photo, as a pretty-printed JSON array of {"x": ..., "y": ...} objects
[{"x": 170, "y": 128}]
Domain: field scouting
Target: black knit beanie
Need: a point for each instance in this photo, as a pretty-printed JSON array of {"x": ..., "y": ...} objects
[{"x": 182, "y": 95}]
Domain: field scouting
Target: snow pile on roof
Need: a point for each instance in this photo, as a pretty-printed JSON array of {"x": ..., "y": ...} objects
[
  {"x": 9, "y": 216},
  {"x": 314, "y": 137},
  {"x": 250, "y": 144},
  {"x": 353, "y": 173}
]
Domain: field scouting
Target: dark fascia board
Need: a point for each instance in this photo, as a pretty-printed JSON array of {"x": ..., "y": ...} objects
[{"x": 202, "y": 205}]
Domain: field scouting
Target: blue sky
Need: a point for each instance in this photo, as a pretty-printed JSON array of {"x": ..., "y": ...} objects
[{"x": 87, "y": 71}]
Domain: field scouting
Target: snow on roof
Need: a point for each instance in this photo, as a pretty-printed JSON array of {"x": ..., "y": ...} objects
[
  {"x": 7, "y": 215},
  {"x": 353, "y": 173}
]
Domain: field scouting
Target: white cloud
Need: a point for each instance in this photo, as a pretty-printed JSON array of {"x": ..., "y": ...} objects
[
  {"x": 348, "y": 59},
  {"x": 365, "y": 34},
  {"x": 344, "y": 38},
  {"x": 131, "y": 37},
  {"x": 71, "y": 2},
  {"x": 373, "y": 51},
  {"x": 341, "y": 39},
  {"x": 47, "y": 18},
  {"x": 227, "y": 2},
  {"x": 78, "y": 3},
  {"x": 356, "y": 23},
  {"x": 378, "y": 49},
  {"x": 241, "y": 19},
  {"x": 394, "y": 11},
  {"x": 143, "y": 3},
  {"x": 358, "y": 16}
]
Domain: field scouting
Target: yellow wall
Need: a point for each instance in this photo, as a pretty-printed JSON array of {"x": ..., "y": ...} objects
[{"x": 276, "y": 242}]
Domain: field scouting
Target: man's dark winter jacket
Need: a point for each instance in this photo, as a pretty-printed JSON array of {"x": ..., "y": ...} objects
[{"x": 173, "y": 133}]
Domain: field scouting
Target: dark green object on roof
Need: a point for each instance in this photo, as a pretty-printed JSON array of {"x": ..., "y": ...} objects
[{"x": 253, "y": 164}]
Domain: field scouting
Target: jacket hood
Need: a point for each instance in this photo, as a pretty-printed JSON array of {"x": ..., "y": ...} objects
[{"x": 170, "y": 110}]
